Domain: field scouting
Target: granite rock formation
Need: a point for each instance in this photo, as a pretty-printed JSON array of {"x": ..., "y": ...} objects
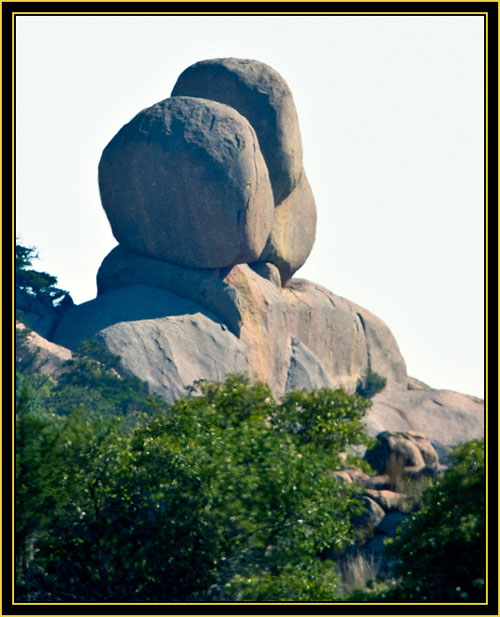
[
  {"x": 208, "y": 199},
  {"x": 185, "y": 181}
]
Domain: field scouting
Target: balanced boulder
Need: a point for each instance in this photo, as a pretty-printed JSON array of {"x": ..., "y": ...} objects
[
  {"x": 185, "y": 181},
  {"x": 260, "y": 94}
]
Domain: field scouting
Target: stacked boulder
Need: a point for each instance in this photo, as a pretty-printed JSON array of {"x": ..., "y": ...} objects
[
  {"x": 207, "y": 197},
  {"x": 401, "y": 460}
]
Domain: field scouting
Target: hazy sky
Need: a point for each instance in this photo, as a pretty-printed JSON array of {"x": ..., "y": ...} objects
[{"x": 391, "y": 116}]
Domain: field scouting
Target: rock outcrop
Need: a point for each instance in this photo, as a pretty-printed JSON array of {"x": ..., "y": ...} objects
[
  {"x": 447, "y": 418},
  {"x": 208, "y": 199}
]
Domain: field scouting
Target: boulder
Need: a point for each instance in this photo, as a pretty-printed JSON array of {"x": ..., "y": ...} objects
[
  {"x": 293, "y": 232},
  {"x": 371, "y": 516},
  {"x": 260, "y": 94},
  {"x": 404, "y": 449},
  {"x": 342, "y": 476},
  {"x": 36, "y": 314},
  {"x": 163, "y": 339},
  {"x": 185, "y": 181},
  {"x": 447, "y": 418},
  {"x": 387, "y": 500}
]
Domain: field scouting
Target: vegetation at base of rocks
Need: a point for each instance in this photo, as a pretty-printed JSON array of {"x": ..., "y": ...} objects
[
  {"x": 440, "y": 552},
  {"x": 39, "y": 285},
  {"x": 371, "y": 384},
  {"x": 222, "y": 495}
]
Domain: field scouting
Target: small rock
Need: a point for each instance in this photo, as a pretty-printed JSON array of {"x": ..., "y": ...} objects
[
  {"x": 343, "y": 476},
  {"x": 372, "y": 515},
  {"x": 388, "y": 500}
]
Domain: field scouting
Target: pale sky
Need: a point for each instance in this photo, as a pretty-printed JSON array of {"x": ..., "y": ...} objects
[{"x": 391, "y": 117}]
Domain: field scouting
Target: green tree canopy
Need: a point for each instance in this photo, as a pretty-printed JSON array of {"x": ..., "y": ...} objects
[
  {"x": 222, "y": 495},
  {"x": 37, "y": 284}
]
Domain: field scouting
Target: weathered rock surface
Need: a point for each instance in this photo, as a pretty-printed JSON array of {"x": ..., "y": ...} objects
[
  {"x": 305, "y": 371},
  {"x": 268, "y": 271},
  {"x": 260, "y": 94},
  {"x": 447, "y": 418},
  {"x": 163, "y": 339},
  {"x": 293, "y": 232},
  {"x": 185, "y": 181},
  {"x": 207, "y": 196},
  {"x": 298, "y": 337},
  {"x": 405, "y": 449},
  {"x": 123, "y": 268},
  {"x": 264, "y": 326},
  {"x": 345, "y": 338}
]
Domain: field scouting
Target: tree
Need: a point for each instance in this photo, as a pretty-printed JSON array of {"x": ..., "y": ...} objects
[
  {"x": 441, "y": 551},
  {"x": 223, "y": 495},
  {"x": 39, "y": 285}
]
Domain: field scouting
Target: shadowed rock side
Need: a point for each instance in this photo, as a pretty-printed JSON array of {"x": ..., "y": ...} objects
[{"x": 293, "y": 232}]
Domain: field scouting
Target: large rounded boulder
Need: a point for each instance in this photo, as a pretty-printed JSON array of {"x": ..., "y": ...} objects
[
  {"x": 185, "y": 181},
  {"x": 260, "y": 94}
]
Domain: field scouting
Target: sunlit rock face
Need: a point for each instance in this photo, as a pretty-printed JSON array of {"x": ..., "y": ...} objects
[{"x": 208, "y": 199}]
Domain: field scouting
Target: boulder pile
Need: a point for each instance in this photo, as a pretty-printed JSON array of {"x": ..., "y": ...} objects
[{"x": 207, "y": 197}]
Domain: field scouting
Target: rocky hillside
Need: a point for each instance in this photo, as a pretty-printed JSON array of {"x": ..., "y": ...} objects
[{"x": 207, "y": 197}]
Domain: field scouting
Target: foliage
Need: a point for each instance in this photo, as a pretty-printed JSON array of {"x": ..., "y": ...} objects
[
  {"x": 39, "y": 285},
  {"x": 441, "y": 550},
  {"x": 223, "y": 495},
  {"x": 371, "y": 384}
]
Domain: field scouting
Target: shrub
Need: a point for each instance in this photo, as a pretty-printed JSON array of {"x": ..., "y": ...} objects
[{"x": 371, "y": 384}]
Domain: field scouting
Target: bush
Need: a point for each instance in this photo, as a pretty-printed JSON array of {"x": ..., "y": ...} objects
[{"x": 371, "y": 384}]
